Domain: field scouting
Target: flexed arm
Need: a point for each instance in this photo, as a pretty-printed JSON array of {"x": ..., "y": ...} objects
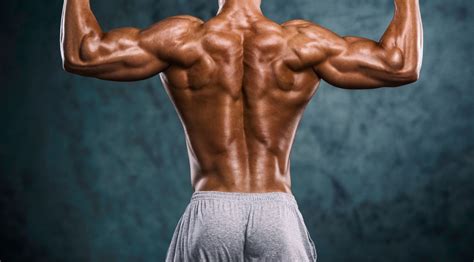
[
  {"x": 124, "y": 54},
  {"x": 360, "y": 63}
]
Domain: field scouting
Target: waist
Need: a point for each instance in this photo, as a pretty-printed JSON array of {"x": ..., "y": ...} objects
[{"x": 285, "y": 197}]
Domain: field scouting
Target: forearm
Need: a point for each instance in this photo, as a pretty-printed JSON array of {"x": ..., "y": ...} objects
[
  {"x": 77, "y": 22},
  {"x": 403, "y": 39}
]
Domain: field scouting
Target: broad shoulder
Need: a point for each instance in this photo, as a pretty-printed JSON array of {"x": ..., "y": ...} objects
[
  {"x": 308, "y": 29},
  {"x": 167, "y": 37},
  {"x": 184, "y": 19},
  {"x": 296, "y": 23},
  {"x": 171, "y": 32},
  {"x": 311, "y": 42},
  {"x": 175, "y": 26}
]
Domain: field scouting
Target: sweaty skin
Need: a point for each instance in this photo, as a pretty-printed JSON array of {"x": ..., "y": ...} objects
[{"x": 239, "y": 81}]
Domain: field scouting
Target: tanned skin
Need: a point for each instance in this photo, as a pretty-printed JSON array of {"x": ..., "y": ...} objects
[{"x": 239, "y": 81}]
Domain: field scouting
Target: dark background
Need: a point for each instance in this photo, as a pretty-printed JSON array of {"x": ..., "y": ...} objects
[{"x": 95, "y": 170}]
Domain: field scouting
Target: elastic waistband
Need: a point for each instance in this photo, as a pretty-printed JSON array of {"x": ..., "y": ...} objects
[{"x": 244, "y": 196}]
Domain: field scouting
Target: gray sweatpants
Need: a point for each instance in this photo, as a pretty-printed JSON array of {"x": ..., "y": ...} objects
[{"x": 237, "y": 226}]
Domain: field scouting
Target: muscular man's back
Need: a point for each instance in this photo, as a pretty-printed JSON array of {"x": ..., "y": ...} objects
[
  {"x": 240, "y": 82},
  {"x": 240, "y": 92}
]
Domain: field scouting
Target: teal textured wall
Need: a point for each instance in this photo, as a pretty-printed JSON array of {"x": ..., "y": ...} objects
[{"x": 94, "y": 170}]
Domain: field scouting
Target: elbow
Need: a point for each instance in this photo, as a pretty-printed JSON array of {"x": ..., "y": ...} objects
[
  {"x": 410, "y": 75},
  {"x": 72, "y": 65},
  {"x": 413, "y": 76},
  {"x": 405, "y": 76},
  {"x": 403, "y": 72},
  {"x": 76, "y": 59},
  {"x": 66, "y": 59},
  {"x": 401, "y": 78},
  {"x": 71, "y": 59},
  {"x": 75, "y": 64},
  {"x": 68, "y": 65}
]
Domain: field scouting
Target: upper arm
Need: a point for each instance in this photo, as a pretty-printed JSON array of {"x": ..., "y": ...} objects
[
  {"x": 129, "y": 54},
  {"x": 352, "y": 62}
]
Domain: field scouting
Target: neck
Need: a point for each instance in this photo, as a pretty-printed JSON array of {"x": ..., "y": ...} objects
[{"x": 234, "y": 6}]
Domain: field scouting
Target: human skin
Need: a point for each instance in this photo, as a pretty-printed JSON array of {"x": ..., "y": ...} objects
[{"x": 239, "y": 81}]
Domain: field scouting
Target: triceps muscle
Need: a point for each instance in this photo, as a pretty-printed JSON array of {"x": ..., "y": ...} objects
[
  {"x": 119, "y": 55},
  {"x": 361, "y": 64}
]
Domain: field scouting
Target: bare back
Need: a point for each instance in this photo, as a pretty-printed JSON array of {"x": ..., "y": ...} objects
[
  {"x": 240, "y": 92},
  {"x": 240, "y": 82}
]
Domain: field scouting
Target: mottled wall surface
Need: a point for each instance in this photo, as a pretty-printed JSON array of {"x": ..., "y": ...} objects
[{"x": 95, "y": 170}]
